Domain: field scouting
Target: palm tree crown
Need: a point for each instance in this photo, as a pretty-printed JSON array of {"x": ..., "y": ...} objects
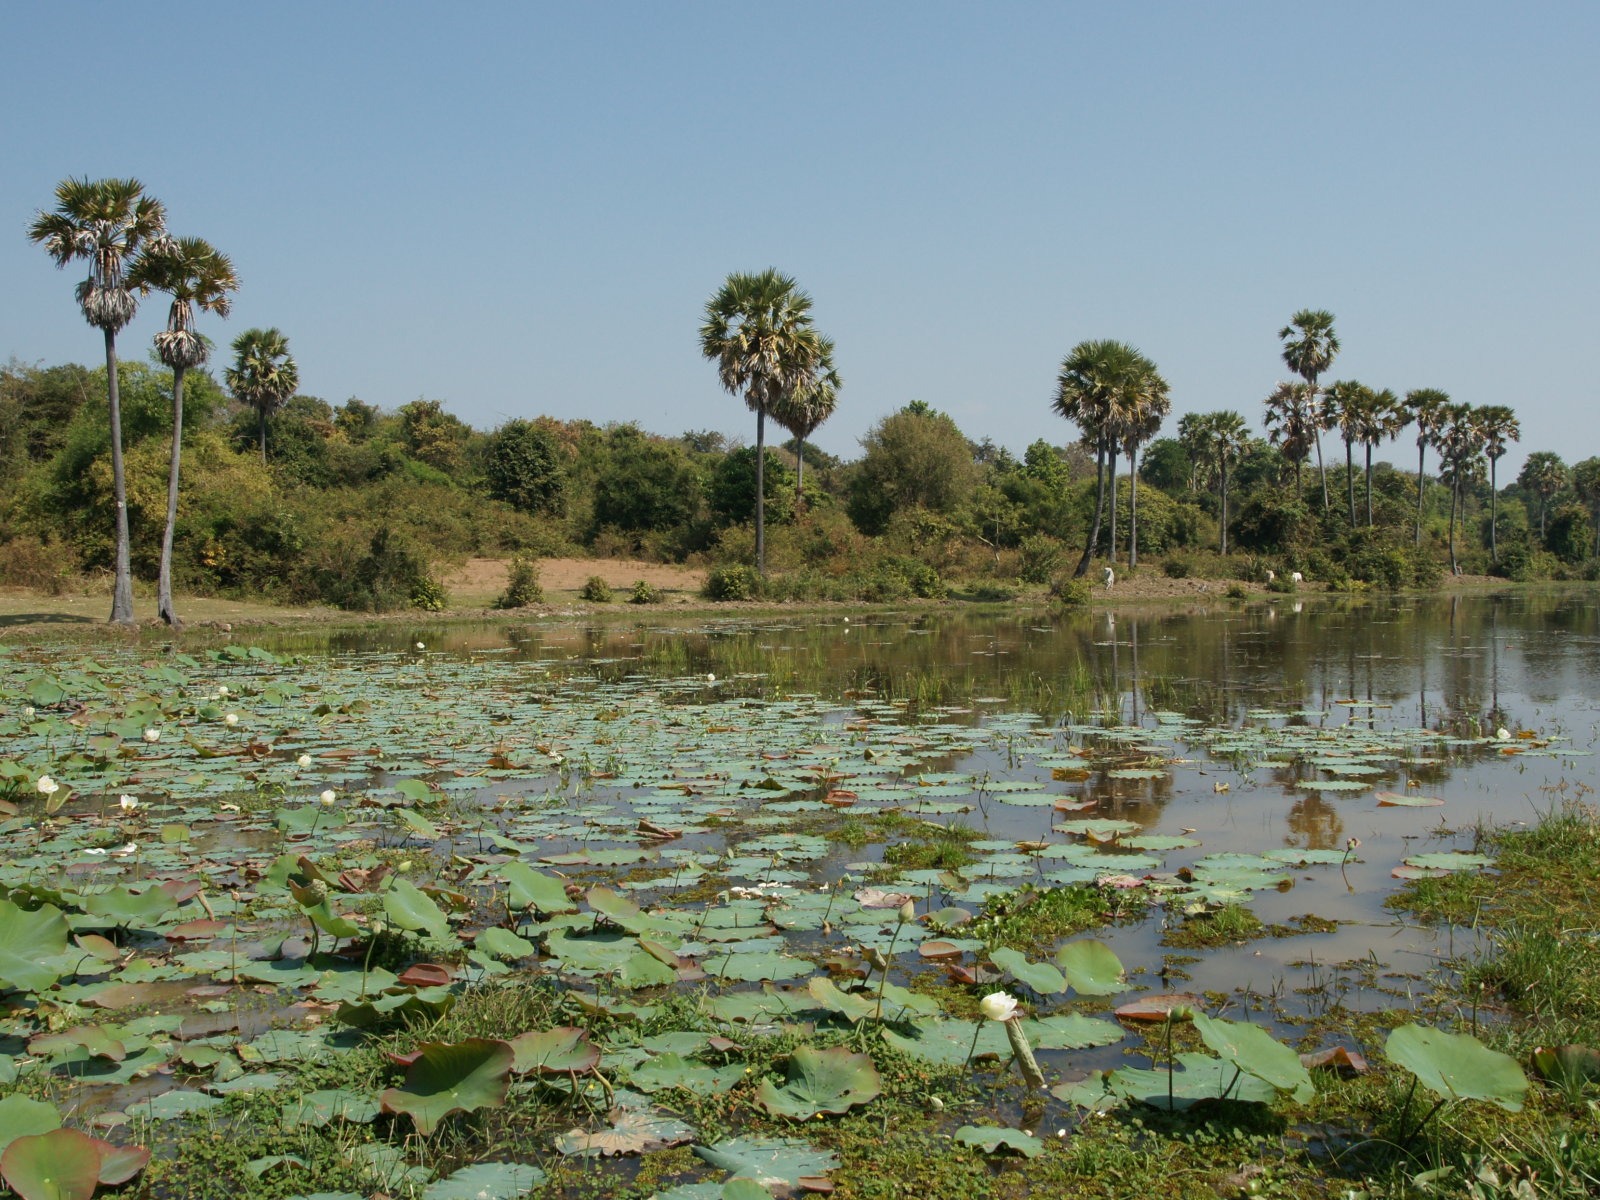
[
  {"x": 196, "y": 275},
  {"x": 1309, "y": 348},
  {"x": 105, "y": 221},
  {"x": 804, "y": 410},
  {"x": 263, "y": 375}
]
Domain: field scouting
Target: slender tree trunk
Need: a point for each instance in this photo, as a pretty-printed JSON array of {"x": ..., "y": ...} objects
[
  {"x": 1099, "y": 508},
  {"x": 1369, "y": 485},
  {"x": 761, "y": 491},
  {"x": 1299, "y": 478},
  {"x": 261, "y": 429},
  {"x": 164, "y": 606},
  {"x": 1455, "y": 491},
  {"x": 1494, "y": 547},
  {"x": 1322, "y": 470},
  {"x": 1133, "y": 508},
  {"x": 1350, "y": 477},
  {"x": 799, "y": 476},
  {"x": 1222, "y": 532},
  {"x": 1421, "y": 451},
  {"x": 1111, "y": 461},
  {"x": 122, "y": 585},
  {"x": 1542, "y": 505}
]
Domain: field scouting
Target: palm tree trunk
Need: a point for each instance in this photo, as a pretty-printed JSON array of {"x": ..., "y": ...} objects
[
  {"x": 1542, "y": 503},
  {"x": 261, "y": 429},
  {"x": 122, "y": 585},
  {"x": 164, "y": 586},
  {"x": 1321, "y": 469},
  {"x": 1350, "y": 477},
  {"x": 761, "y": 491},
  {"x": 1099, "y": 508},
  {"x": 1494, "y": 548},
  {"x": 799, "y": 475},
  {"x": 1455, "y": 490},
  {"x": 1111, "y": 460},
  {"x": 1133, "y": 508},
  {"x": 1223, "y": 530},
  {"x": 1369, "y": 485},
  {"x": 1421, "y": 450}
]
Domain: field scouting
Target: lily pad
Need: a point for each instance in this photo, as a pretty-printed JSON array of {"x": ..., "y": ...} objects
[
  {"x": 833, "y": 1081},
  {"x": 770, "y": 1162},
  {"x": 63, "y": 1164},
  {"x": 1457, "y": 1066},
  {"x": 486, "y": 1181},
  {"x": 989, "y": 1139},
  {"x": 450, "y": 1077}
]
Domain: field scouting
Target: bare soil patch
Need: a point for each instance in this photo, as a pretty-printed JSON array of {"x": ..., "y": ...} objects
[{"x": 479, "y": 581}]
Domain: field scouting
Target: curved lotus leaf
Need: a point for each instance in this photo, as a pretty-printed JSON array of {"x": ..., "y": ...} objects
[
  {"x": 833, "y": 1080},
  {"x": 1091, "y": 967},
  {"x": 1201, "y": 1078},
  {"x": 319, "y": 1108},
  {"x": 450, "y": 1077},
  {"x": 486, "y": 1181},
  {"x": 504, "y": 944},
  {"x": 536, "y": 890},
  {"x": 989, "y": 1139},
  {"x": 330, "y": 922},
  {"x": 96, "y": 1040},
  {"x": 563, "y": 1050},
  {"x": 122, "y": 905},
  {"x": 118, "y": 1164},
  {"x": 1256, "y": 1052},
  {"x": 1457, "y": 1066},
  {"x": 26, "y": 939},
  {"x": 1041, "y": 977},
  {"x": 1568, "y": 1067},
  {"x": 63, "y": 1164},
  {"x": 769, "y": 1161},
  {"x": 849, "y": 1005},
  {"x": 22, "y": 1117},
  {"x": 411, "y": 908}
]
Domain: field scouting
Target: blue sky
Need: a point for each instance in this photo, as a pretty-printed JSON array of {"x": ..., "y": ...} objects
[{"x": 523, "y": 208}]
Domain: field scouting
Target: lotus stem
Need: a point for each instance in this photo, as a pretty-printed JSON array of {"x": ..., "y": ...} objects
[{"x": 1024, "y": 1053}]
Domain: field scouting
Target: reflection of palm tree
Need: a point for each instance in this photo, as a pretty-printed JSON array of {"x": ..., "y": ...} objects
[
  {"x": 1428, "y": 408},
  {"x": 105, "y": 221},
  {"x": 195, "y": 275},
  {"x": 1309, "y": 348}
]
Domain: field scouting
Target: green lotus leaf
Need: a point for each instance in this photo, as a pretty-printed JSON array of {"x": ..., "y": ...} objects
[
  {"x": 1201, "y": 1078},
  {"x": 449, "y": 1077},
  {"x": 833, "y": 1080},
  {"x": 395, "y": 1008},
  {"x": 564, "y": 1050},
  {"x": 670, "y": 1070},
  {"x": 22, "y": 1117},
  {"x": 770, "y": 1162},
  {"x": 63, "y": 1164},
  {"x": 27, "y": 938},
  {"x": 504, "y": 944},
  {"x": 1041, "y": 977},
  {"x": 486, "y": 1181},
  {"x": 1255, "y": 1051},
  {"x": 1091, "y": 967},
  {"x": 122, "y": 905},
  {"x": 419, "y": 824},
  {"x": 1457, "y": 1066},
  {"x": 989, "y": 1139},
  {"x": 411, "y": 908},
  {"x": 330, "y": 922},
  {"x": 534, "y": 889},
  {"x": 753, "y": 967},
  {"x": 178, "y": 1103},
  {"x": 317, "y": 1109},
  {"x": 1449, "y": 860}
]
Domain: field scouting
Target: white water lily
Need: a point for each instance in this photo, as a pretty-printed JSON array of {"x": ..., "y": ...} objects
[
  {"x": 998, "y": 1006},
  {"x": 710, "y": 678},
  {"x": 231, "y": 719},
  {"x": 329, "y": 796},
  {"x": 420, "y": 646},
  {"x": 95, "y": 850},
  {"x": 47, "y": 786},
  {"x": 1502, "y": 734},
  {"x": 303, "y": 761},
  {"x": 222, "y": 689},
  {"x": 130, "y": 848},
  {"x": 127, "y": 803},
  {"x": 152, "y": 736},
  {"x": 27, "y": 712}
]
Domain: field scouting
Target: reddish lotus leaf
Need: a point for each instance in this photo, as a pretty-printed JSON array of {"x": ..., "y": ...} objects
[
  {"x": 198, "y": 930},
  {"x": 404, "y": 1060},
  {"x": 816, "y": 1184},
  {"x": 938, "y": 950},
  {"x": 181, "y": 889},
  {"x": 122, "y": 995},
  {"x": 99, "y": 947},
  {"x": 118, "y": 1164},
  {"x": 426, "y": 975},
  {"x": 63, "y": 1164},
  {"x": 960, "y": 974},
  {"x": 1337, "y": 1058},
  {"x": 1156, "y": 1008}
]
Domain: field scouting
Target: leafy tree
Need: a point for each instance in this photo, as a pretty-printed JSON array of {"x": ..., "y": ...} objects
[
  {"x": 731, "y": 490},
  {"x": 524, "y": 467},
  {"x": 263, "y": 376},
  {"x": 1544, "y": 474},
  {"x": 357, "y": 419},
  {"x": 1309, "y": 348},
  {"x": 1498, "y": 426},
  {"x": 758, "y": 331},
  {"x": 1429, "y": 409},
  {"x": 1168, "y": 465},
  {"x": 1099, "y": 388},
  {"x": 803, "y": 410},
  {"x": 1225, "y": 437},
  {"x": 914, "y": 458},
  {"x": 1586, "y": 482},
  {"x": 434, "y": 436},
  {"x": 644, "y": 483},
  {"x": 1460, "y": 443},
  {"x": 1291, "y": 422},
  {"x": 36, "y": 406},
  {"x": 105, "y": 221},
  {"x": 195, "y": 275}
]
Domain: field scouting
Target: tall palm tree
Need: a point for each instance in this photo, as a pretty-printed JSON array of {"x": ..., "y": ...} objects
[
  {"x": 1428, "y": 408},
  {"x": 264, "y": 375},
  {"x": 1291, "y": 424},
  {"x": 758, "y": 331},
  {"x": 1460, "y": 443},
  {"x": 1544, "y": 474},
  {"x": 804, "y": 410},
  {"x": 105, "y": 221},
  {"x": 195, "y": 275},
  {"x": 1381, "y": 419},
  {"x": 1346, "y": 406},
  {"x": 1499, "y": 426},
  {"x": 1154, "y": 403},
  {"x": 1196, "y": 446},
  {"x": 1098, "y": 385},
  {"x": 1229, "y": 437},
  {"x": 1586, "y": 482},
  {"x": 1309, "y": 348}
]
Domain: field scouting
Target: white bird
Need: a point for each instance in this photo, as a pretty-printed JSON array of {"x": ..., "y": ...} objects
[
  {"x": 1110, "y": 577},
  {"x": 1271, "y": 574},
  {"x": 1296, "y": 577}
]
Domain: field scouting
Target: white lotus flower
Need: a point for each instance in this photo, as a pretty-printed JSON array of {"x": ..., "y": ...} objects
[
  {"x": 130, "y": 848},
  {"x": 998, "y": 1006},
  {"x": 27, "y": 712},
  {"x": 127, "y": 803},
  {"x": 231, "y": 719},
  {"x": 95, "y": 850},
  {"x": 303, "y": 761},
  {"x": 152, "y": 736},
  {"x": 222, "y": 689},
  {"x": 47, "y": 786},
  {"x": 1502, "y": 734},
  {"x": 710, "y": 678},
  {"x": 329, "y": 796}
]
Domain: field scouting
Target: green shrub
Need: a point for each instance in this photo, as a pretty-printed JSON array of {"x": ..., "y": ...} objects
[
  {"x": 732, "y": 581},
  {"x": 1236, "y": 591},
  {"x": 899, "y": 577},
  {"x": 1282, "y": 586},
  {"x": 1041, "y": 559},
  {"x": 1177, "y": 568},
  {"x": 522, "y": 585},
  {"x": 391, "y": 575},
  {"x": 595, "y": 590},
  {"x": 643, "y": 593},
  {"x": 1068, "y": 592}
]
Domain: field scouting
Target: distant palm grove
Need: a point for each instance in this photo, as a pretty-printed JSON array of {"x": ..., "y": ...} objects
[{"x": 148, "y": 466}]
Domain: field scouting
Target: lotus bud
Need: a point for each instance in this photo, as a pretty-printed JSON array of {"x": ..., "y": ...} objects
[
  {"x": 1502, "y": 734},
  {"x": 420, "y": 646},
  {"x": 222, "y": 689},
  {"x": 152, "y": 736},
  {"x": 27, "y": 712},
  {"x": 329, "y": 796},
  {"x": 47, "y": 786},
  {"x": 231, "y": 719},
  {"x": 908, "y": 912},
  {"x": 303, "y": 761}
]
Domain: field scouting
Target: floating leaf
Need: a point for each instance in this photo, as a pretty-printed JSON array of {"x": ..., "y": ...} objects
[
  {"x": 989, "y": 1139},
  {"x": 1091, "y": 967},
  {"x": 486, "y": 1181},
  {"x": 504, "y": 944},
  {"x": 26, "y": 939},
  {"x": 1256, "y": 1052},
  {"x": 564, "y": 1050},
  {"x": 1407, "y": 800},
  {"x": 63, "y": 1164},
  {"x": 632, "y": 1132},
  {"x": 319, "y": 1108},
  {"x": 1041, "y": 977},
  {"x": 1201, "y": 1077},
  {"x": 833, "y": 1080},
  {"x": 22, "y": 1117},
  {"x": 450, "y": 1077},
  {"x": 1156, "y": 1008},
  {"x": 770, "y": 1162},
  {"x": 1457, "y": 1066}
]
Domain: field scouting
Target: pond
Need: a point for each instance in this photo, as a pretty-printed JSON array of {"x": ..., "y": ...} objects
[{"x": 738, "y": 809}]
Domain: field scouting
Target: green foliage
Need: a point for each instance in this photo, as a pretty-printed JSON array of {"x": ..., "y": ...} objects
[
  {"x": 912, "y": 459},
  {"x": 644, "y": 593},
  {"x": 522, "y": 585},
  {"x": 1067, "y": 592},
  {"x": 731, "y": 492},
  {"x": 523, "y": 466},
  {"x": 1177, "y": 568},
  {"x": 1040, "y": 558},
  {"x": 595, "y": 590},
  {"x": 732, "y": 581},
  {"x": 644, "y": 483},
  {"x": 391, "y": 575}
]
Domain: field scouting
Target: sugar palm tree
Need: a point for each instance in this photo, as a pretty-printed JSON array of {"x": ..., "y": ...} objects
[
  {"x": 195, "y": 275},
  {"x": 804, "y": 410},
  {"x": 1098, "y": 386},
  {"x": 1544, "y": 474},
  {"x": 1155, "y": 402},
  {"x": 1291, "y": 424},
  {"x": 758, "y": 331},
  {"x": 1196, "y": 447},
  {"x": 264, "y": 375},
  {"x": 1428, "y": 408},
  {"x": 1499, "y": 426},
  {"x": 1382, "y": 418},
  {"x": 105, "y": 221},
  {"x": 1229, "y": 438},
  {"x": 1460, "y": 443},
  {"x": 1345, "y": 406},
  {"x": 1309, "y": 348}
]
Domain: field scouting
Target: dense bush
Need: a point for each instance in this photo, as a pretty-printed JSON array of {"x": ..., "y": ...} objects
[
  {"x": 1068, "y": 592},
  {"x": 522, "y": 585},
  {"x": 644, "y": 593},
  {"x": 732, "y": 581},
  {"x": 1177, "y": 568},
  {"x": 1040, "y": 558},
  {"x": 595, "y": 590},
  {"x": 391, "y": 575}
]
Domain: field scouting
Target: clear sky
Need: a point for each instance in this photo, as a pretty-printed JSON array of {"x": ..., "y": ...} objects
[{"x": 522, "y": 208}]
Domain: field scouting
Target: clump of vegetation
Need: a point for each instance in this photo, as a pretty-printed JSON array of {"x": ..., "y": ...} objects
[
  {"x": 1040, "y": 558},
  {"x": 522, "y": 585},
  {"x": 1066, "y": 592},
  {"x": 1177, "y": 568},
  {"x": 391, "y": 575},
  {"x": 644, "y": 593},
  {"x": 1228, "y": 925},
  {"x": 1236, "y": 591},
  {"x": 595, "y": 590},
  {"x": 732, "y": 581}
]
